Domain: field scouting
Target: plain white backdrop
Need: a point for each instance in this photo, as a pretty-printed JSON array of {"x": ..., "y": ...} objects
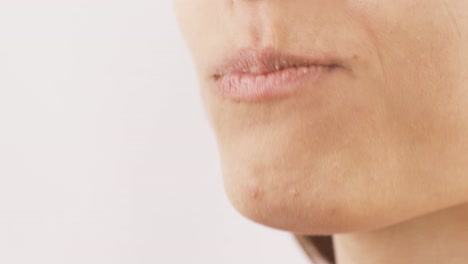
[{"x": 106, "y": 155}]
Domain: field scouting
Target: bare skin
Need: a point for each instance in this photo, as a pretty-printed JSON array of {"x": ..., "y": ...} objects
[
  {"x": 441, "y": 237},
  {"x": 375, "y": 155}
]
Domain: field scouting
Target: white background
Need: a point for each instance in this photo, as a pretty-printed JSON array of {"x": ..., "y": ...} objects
[{"x": 105, "y": 152}]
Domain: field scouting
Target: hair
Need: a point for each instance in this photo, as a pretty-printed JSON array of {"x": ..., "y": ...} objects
[{"x": 318, "y": 248}]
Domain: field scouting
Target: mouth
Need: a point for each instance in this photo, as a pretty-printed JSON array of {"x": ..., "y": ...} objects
[{"x": 262, "y": 74}]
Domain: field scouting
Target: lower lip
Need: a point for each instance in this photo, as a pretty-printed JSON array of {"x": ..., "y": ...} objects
[{"x": 281, "y": 83}]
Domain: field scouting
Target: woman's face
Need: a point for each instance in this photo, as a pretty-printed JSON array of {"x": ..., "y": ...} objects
[{"x": 382, "y": 139}]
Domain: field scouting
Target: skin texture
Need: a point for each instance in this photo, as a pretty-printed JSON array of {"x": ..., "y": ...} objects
[{"x": 380, "y": 144}]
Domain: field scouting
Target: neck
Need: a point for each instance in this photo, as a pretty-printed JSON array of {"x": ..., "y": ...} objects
[{"x": 440, "y": 237}]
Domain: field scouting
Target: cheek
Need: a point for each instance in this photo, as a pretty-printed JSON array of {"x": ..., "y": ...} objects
[
  {"x": 422, "y": 59},
  {"x": 202, "y": 27},
  {"x": 418, "y": 49}
]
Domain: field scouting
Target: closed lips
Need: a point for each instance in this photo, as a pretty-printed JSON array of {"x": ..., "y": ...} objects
[{"x": 253, "y": 74}]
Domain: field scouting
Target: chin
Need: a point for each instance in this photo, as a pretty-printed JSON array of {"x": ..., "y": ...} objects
[
  {"x": 296, "y": 167},
  {"x": 303, "y": 190},
  {"x": 272, "y": 199}
]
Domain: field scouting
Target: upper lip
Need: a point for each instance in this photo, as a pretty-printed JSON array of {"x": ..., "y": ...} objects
[{"x": 267, "y": 60}]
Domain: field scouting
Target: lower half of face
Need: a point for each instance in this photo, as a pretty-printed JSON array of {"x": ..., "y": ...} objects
[{"x": 382, "y": 139}]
